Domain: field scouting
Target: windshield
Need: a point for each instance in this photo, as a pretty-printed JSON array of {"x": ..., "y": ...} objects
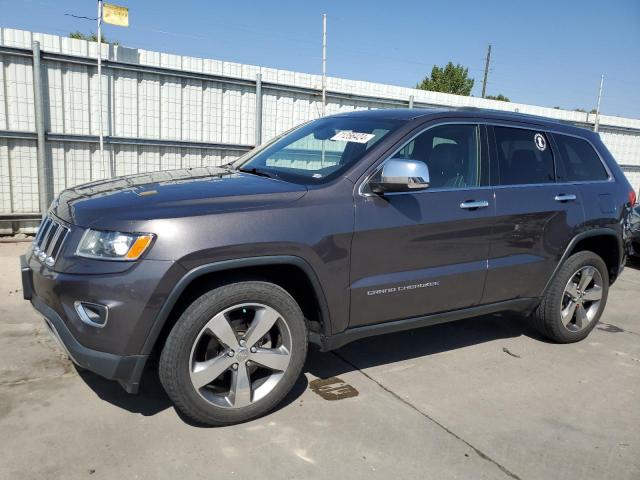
[{"x": 317, "y": 151}]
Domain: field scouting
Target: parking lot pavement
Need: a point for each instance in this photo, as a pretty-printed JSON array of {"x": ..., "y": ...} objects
[{"x": 480, "y": 398}]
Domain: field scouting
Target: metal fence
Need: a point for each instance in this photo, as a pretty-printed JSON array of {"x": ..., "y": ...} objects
[{"x": 163, "y": 111}]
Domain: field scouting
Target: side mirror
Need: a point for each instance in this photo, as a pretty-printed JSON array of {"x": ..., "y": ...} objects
[{"x": 400, "y": 175}]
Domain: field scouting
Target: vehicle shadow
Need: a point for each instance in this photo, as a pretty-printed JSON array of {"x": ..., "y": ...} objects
[
  {"x": 365, "y": 353},
  {"x": 152, "y": 399},
  {"x": 633, "y": 262},
  {"x": 422, "y": 342}
]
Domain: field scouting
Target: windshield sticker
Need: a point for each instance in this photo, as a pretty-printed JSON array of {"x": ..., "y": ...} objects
[
  {"x": 540, "y": 142},
  {"x": 349, "y": 136}
]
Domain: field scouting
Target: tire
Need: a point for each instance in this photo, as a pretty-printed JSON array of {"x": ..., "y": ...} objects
[
  {"x": 208, "y": 338},
  {"x": 560, "y": 297}
]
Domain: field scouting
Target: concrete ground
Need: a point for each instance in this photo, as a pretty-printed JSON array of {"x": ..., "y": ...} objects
[{"x": 481, "y": 398}]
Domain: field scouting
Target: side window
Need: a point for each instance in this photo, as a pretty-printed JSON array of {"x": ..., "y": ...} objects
[
  {"x": 451, "y": 152},
  {"x": 581, "y": 162},
  {"x": 524, "y": 156}
]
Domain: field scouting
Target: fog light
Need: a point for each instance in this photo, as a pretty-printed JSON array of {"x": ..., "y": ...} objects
[{"x": 92, "y": 314}]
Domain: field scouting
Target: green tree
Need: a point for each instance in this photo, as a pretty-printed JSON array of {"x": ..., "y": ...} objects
[
  {"x": 450, "y": 79},
  {"x": 499, "y": 97},
  {"x": 92, "y": 37}
]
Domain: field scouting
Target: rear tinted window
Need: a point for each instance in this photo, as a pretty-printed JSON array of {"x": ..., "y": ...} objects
[
  {"x": 524, "y": 156},
  {"x": 581, "y": 162}
]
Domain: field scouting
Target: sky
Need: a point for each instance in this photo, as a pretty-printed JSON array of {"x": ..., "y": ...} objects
[{"x": 547, "y": 52}]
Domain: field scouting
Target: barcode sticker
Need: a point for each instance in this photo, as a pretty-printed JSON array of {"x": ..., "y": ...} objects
[{"x": 349, "y": 136}]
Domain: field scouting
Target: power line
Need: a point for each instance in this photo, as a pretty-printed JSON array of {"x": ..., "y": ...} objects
[
  {"x": 489, "y": 67},
  {"x": 81, "y": 17},
  {"x": 542, "y": 60}
]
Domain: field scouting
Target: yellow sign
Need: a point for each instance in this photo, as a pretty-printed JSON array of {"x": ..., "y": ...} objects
[{"x": 115, "y": 15}]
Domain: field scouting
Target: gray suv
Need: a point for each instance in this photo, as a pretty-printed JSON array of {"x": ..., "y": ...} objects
[{"x": 348, "y": 226}]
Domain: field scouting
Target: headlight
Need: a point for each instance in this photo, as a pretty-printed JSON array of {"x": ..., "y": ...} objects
[{"x": 113, "y": 245}]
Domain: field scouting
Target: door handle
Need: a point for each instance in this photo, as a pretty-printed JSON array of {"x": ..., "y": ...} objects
[
  {"x": 565, "y": 197},
  {"x": 473, "y": 205}
]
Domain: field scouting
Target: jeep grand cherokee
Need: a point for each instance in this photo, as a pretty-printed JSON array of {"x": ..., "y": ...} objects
[{"x": 347, "y": 226}]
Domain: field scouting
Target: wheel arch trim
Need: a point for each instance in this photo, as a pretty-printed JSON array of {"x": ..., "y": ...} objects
[
  {"x": 232, "y": 264},
  {"x": 595, "y": 232}
]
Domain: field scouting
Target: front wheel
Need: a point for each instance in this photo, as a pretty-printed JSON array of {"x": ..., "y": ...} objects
[
  {"x": 575, "y": 299},
  {"x": 234, "y": 353}
]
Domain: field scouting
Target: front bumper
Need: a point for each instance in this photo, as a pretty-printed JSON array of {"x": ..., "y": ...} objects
[
  {"x": 127, "y": 370},
  {"x": 48, "y": 297}
]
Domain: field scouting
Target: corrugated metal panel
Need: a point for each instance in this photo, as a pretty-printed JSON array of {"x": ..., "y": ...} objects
[
  {"x": 126, "y": 104},
  {"x": 126, "y": 159},
  {"x": 18, "y": 86},
  {"x": 231, "y": 112},
  {"x": 149, "y": 106},
  {"x": 54, "y": 98},
  {"x": 634, "y": 179},
  {"x": 192, "y": 110},
  {"x": 3, "y": 105},
  {"x": 149, "y": 159},
  {"x": 58, "y": 160},
  {"x": 23, "y": 174},
  {"x": 171, "y": 158},
  {"x": 624, "y": 146},
  {"x": 171, "y": 108},
  {"x": 181, "y": 105},
  {"x": 75, "y": 94},
  {"x": 5, "y": 177},
  {"x": 79, "y": 164},
  {"x": 212, "y": 112}
]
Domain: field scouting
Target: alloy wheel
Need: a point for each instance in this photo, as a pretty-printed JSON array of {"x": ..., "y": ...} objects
[
  {"x": 581, "y": 299},
  {"x": 240, "y": 355}
]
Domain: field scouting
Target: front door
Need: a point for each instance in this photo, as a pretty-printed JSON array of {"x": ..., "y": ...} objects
[{"x": 417, "y": 253}]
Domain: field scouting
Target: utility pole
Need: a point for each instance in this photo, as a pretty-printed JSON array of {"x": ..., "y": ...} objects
[
  {"x": 596, "y": 125},
  {"x": 486, "y": 71},
  {"x": 101, "y": 139},
  {"x": 324, "y": 63},
  {"x": 45, "y": 184}
]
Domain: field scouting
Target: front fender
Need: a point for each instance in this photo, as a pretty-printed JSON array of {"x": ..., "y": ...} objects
[{"x": 224, "y": 265}]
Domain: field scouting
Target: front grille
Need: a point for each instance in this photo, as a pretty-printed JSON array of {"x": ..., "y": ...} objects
[{"x": 49, "y": 240}]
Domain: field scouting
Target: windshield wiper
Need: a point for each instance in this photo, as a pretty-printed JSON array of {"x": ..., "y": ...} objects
[
  {"x": 228, "y": 165},
  {"x": 255, "y": 171}
]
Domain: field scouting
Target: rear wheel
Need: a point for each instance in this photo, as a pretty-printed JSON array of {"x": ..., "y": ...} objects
[
  {"x": 575, "y": 299},
  {"x": 234, "y": 353}
]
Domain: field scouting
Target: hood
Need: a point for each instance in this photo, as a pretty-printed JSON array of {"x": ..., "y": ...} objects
[{"x": 171, "y": 194}]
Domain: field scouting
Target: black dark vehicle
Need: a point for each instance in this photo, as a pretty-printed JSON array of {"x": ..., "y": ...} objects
[
  {"x": 634, "y": 223},
  {"x": 348, "y": 226}
]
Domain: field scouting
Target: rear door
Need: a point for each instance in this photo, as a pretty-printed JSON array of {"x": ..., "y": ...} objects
[
  {"x": 417, "y": 253},
  {"x": 582, "y": 166},
  {"x": 536, "y": 216}
]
